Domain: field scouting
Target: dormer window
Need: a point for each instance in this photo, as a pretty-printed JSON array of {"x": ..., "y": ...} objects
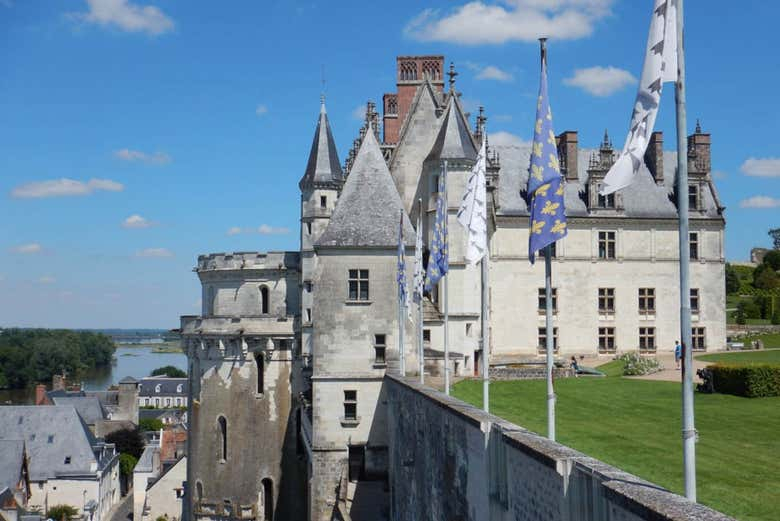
[
  {"x": 693, "y": 197},
  {"x": 606, "y": 201},
  {"x": 323, "y": 201},
  {"x": 179, "y": 388},
  {"x": 157, "y": 388}
]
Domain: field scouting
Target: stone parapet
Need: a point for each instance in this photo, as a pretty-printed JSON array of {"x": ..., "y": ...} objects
[
  {"x": 493, "y": 469},
  {"x": 272, "y": 260}
]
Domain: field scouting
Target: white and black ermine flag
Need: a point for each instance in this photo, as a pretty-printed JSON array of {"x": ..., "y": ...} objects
[{"x": 660, "y": 67}]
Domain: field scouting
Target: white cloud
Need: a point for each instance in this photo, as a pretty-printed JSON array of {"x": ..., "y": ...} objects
[
  {"x": 477, "y": 23},
  {"x": 126, "y": 16},
  {"x": 491, "y": 72},
  {"x": 156, "y": 253},
  {"x": 760, "y": 201},
  {"x": 261, "y": 110},
  {"x": 47, "y": 279},
  {"x": 359, "y": 112},
  {"x": 64, "y": 188},
  {"x": 763, "y": 167},
  {"x": 601, "y": 81},
  {"x": 137, "y": 222},
  {"x": 158, "y": 158},
  {"x": 263, "y": 229},
  {"x": 28, "y": 249},
  {"x": 506, "y": 139}
]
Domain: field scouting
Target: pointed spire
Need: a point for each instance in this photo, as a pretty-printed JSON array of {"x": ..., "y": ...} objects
[
  {"x": 366, "y": 213},
  {"x": 698, "y": 126},
  {"x": 453, "y": 141},
  {"x": 452, "y": 74},
  {"x": 323, "y": 167},
  {"x": 606, "y": 143}
]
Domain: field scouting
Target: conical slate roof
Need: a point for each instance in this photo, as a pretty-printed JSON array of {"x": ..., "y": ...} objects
[
  {"x": 368, "y": 210},
  {"x": 454, "y": 140},
  {"x": 323, "y": 167}
]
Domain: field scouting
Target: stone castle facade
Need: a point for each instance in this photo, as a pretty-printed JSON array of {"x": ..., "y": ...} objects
[{"x": 287, "y": 359}]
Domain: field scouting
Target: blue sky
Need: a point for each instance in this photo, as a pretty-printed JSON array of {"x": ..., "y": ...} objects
[{"x": 137, "y": 134}]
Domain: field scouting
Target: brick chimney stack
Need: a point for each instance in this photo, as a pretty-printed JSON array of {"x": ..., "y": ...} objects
[
  {"x": 411, "y": 72},
  {"x": 567, "y": 151},
  {"x": 40, "y": 395},
  {"x": 654, "y": 157}
]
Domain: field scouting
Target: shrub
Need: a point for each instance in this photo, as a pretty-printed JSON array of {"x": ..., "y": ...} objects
[
  {"x": 637, "y": 365},
  {"x": 751, "y": 381},
  {"x": 127, "y": 463},
  {"x": 169, "y": 371},
  {"x": 62, "y": 512},
  {"x": 150, "y": 424}
]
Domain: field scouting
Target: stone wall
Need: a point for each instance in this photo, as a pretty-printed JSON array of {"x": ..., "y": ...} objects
[{"x": 450, "y": 460}]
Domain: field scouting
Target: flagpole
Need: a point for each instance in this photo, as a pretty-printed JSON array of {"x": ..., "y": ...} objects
[
  {"x": 549, "y": 331},
  {"x": 419, "y": 289},
  {"x": 444, "y": 290},
  {"x": 485, "y": 330},
  {"x": 688, "y": 428}
]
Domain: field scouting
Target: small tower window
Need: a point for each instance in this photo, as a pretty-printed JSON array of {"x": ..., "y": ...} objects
[
  {"x": 308, "y": 228},
  {"x": 268, "y": 499},
  {"x": 260, "y": 361},
  {"x": 222, "y": 423},
  {"x": 323, "y": 201},
  {"x": 380, "y": 346},
  {"x": 264, "y": 300}
]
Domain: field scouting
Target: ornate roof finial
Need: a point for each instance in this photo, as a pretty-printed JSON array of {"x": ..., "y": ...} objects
[
  {"x": 452, "y": 74},
  {"x": 606, "y": 143},
  {"x": 481, "y": 120},
  {"x": 698, "y": 126}
]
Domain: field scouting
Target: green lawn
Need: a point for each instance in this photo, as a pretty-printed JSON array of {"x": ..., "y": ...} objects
[
  {"x": 635, "y": 425},
  {"x": 771, "y": 356}
]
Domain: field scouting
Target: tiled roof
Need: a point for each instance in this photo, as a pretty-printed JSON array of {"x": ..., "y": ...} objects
[
  {"x": 167, "y": 386},
  {"x": 88, "y": 407},
  {"x": 454, "y": 139}
]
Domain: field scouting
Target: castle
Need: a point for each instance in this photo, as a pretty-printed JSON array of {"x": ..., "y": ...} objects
[{"x": 288, "y": 407}]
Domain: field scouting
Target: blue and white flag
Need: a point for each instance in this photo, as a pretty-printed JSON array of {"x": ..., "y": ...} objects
[
  {"x": 547, "y": 221},
  {"x": 438, "y": 261},
  {"x": 473, "y": 208},
  {"x": 403, "y": 294},
  {"x": 419, "y": 270}
]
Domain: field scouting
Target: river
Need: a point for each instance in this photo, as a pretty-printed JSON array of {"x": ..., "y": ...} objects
[{"x": 128, "y": 361}]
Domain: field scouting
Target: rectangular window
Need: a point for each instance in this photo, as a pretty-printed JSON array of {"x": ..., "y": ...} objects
[
  {"x": 380, "y": 346},
  {"x": 647, "y": 339},
  {"x": 542, "y": 300},
  {"x": 542, "y": 344},
  {"x": 647, "y": 301},
  {"x": 350, "y": 405},
  {"x": 308, "y": 314},
  {"x": 468, "y": 329},
  {"x": 308, "y": 286},
  {"x": 606, "y": 201},
  {"x": 606, "y": 245},
  {"x": 698, "y": 338},
  {"x": 426, "y": 335},
  {"x": 308, "y": 228},
  {"x": 693, "y": 245},
  {"x": 606, "y": 339},
  {"x": 323, "y": 201},
  {"x": 693, "y": 197},
  {"x": 606, "y": 301},
  {"x": 694, "y": 300},
  {"x": 358, "y": 284}
]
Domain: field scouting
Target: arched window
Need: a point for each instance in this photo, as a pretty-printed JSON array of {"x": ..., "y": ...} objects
[
  {"x": 408, "y": 71},
  {"x": 199, "y": 490},
  {"x": 268, "y": 499},
  {"x": 264, "y": 300},
  {"x": 260, "y": 361},
  {"x": 222, "y": 422}
]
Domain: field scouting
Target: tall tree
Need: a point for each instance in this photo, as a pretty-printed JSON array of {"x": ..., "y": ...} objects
[{"x": 775, "y": 234}]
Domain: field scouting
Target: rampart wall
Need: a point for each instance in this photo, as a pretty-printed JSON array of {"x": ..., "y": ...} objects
[{"x": 450, "y": 460}]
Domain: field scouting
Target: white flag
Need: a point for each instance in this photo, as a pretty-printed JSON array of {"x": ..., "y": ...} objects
[
  {"x": 660, "y": 66},
  {"x": 473, "y": 209},
  {"x": 419, "y": 271}
]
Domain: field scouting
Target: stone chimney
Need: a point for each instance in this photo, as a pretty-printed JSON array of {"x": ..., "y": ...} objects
[
  {"x": 654, "y": 157},
  {"x": 58, "y": 382},
  {"x": 40, "y": 395},
  {"x": 567, "y": 151},
  {"x": 699, "y": 159}
]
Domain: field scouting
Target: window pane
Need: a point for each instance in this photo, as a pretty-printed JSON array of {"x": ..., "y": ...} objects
[
  {"x": 364, "y": 274},
  {"x": 353, "y": 274},
  {"x": 364, "y": 290},
  {"x": 353, "y": 292}
]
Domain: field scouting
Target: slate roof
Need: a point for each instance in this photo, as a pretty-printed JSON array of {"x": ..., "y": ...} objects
[
  {"x": 642, "y": 199},
  {"x": 369, "y": 207},
  {"x": 11, "y": 458},
  {"x": 156, "y": 414},
  {"x": 128, "y": 380},
  {"x": 454, "y": 139},
  {"x": 168, "y": 386},
  {"x": 88, "y": 407},
  {"x": 323, "y": 167},
  {"x": 51, "y": 433}
]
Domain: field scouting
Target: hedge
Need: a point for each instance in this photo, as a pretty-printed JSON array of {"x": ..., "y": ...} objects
[{"x": 752, "y": 381}]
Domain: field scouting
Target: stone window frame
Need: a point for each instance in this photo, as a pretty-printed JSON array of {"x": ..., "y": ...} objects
[
  {"x": 646, "y": 301},
  {"x": 541, "y": 301},
  {"x": 693, "y": 245},
  {"x": 699, "y": 338},
  {"x": 359, "y": 279},
  {"x": 606, "y": 301},
  {"x": 647, "y": 341},
  {"x": 323, "y": 201},
  {"x": 695, "y": 300},
  {"x": 607, "y": 244},
  {"x": 693, "y": 197},
  {"x": 222, "y": 429},
  {"x": 541, "y": 340},
  {"x": 380, "y": 350},
  {"x": 350, "y": 417},
  {"x": 607, "y": 333}
]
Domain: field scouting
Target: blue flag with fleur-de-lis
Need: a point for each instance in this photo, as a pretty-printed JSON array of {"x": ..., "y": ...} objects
[
  {"x": 438, "y": 261},
  {"x": 403, "y": 293},
  {"x": 547, "y": 222}
]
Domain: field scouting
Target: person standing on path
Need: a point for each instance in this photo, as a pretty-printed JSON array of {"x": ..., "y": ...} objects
[{"x": 677, "y": 354}]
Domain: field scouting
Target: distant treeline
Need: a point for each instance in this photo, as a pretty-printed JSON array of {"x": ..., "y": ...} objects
[{"x": 29, "y": 356}]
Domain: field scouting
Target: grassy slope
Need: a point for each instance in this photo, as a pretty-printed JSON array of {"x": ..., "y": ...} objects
[
  {"x": 771, "y": 356},
  {"x": 635, "y": 425}
]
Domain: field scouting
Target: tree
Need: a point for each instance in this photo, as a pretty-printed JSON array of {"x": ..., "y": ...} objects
[
  {"x": 170, "y": 371},
  {"x": 732, "y": 280},
  {"x": 127, "y": 441},
  {"x": 764, "y": 277},
  {"x": 60, "y": 512},
  {"x": 126, "y": 464},
  {"x": 775, "y": 234},
  {"x": 150, "y": 424},
  {"x": 772, "y": 259},
  {"x": 739, "y": 316}
]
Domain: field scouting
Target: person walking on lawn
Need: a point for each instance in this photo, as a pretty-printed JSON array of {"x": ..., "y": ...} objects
[{"x": 677, "y": 354}]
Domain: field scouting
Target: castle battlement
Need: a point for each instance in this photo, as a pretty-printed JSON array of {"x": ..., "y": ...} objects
[{"x": 272, "y": 260}]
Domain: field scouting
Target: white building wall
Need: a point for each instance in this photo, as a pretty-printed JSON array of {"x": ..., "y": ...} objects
[{"x": 163, "y": 498}]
